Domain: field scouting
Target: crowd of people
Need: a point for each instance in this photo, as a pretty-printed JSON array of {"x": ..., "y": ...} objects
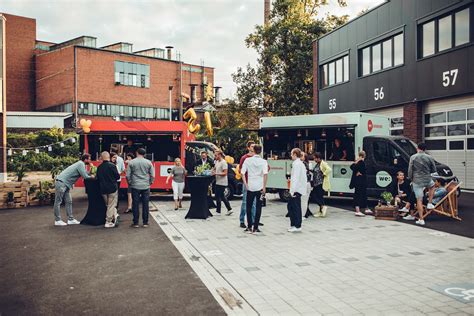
[{"x": 308, "y": 173}]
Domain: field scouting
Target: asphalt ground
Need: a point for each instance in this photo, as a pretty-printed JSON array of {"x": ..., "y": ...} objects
[
  {"x": 47, "y": 270},
  {"x": 434, "y": 221}
]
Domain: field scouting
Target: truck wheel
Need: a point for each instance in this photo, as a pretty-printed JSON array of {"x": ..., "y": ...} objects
[{"x": 284, "y": 195}]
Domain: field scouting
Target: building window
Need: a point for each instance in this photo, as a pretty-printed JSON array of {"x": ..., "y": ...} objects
[
  {"x": 444, "y": 32},
  {"x": 396, "y": 126},
  {"x": 335, "y": 72},
  {"x": 132, "y": 74},
  {"x": 382, "y": 55},
  {"x": 443, "y": 130},
  {"x": 123, "y": 112}
]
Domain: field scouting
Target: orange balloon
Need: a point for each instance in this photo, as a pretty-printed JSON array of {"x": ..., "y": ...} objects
[
  {"x": 207, "y": 118},
  {"x": 87, "y": 130},
  {"x": 88, "y": 123},
  {"x": 82, "y": 122}
]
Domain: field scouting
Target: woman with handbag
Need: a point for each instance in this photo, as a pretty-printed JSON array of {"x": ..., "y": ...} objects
[
  {"x": 321, "y": 183},
  {"x": 359, "y": 184},
  {"x": 305, "y": 198}
]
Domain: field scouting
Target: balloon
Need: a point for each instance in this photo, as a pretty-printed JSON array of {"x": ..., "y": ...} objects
[
  {"x": 87, "y": 130},
  {"x": 229, "y": 159},
  {"x": 207, "y": 118},
  {"x": 191, "y": 114},
  {"x": 238, "y": 175},
  {"x": 88, "y": 123},
  {"x": 82, "y": 122}
]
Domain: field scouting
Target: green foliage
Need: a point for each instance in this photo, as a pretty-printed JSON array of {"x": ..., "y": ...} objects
[
  {"x": 45, "y": 160},
  {"x": 282, "y": 80},
  {"x": 10, "y": 197},
  {"x": 386, "y": 196},
  {"x": 202, "y": 169},
  {"x": 20, "y": 166},
  {"x": 33, "y": 189}
]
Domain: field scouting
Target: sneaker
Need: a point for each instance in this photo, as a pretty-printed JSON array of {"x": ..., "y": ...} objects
[
  {"x": 242, "y": 225},
  {"x": 359, "y": 214},
  {"x": 368, "y": 212},
  {"x": 317, "y": 214},
  {"x": 218, "y": 213},
  {"x": 129, "y": 210},
  {"x": 117, "y": 220},
  {"x": 248, "y": 230},
  {"x": 430, "y": 206},
  {"x": 404, "y": 210},
  {"x": 420, "y": 222},
  {"x": 295, "y": 230},
  {"x": 59, "y": 223},
  {"x": 175, "y": 208},
  {"x": 291, "y": 229},
  {"x": 145, "y": 225},
  {"x": 134, "y": 226},
  {"x": 260, "y": 224},
  {"x": 229, "y": 212},
  {"x": 409, "y": 218},
  {"x": 324, "y": 211},
  {"x": 73, "y": 222},
  {"x": 109, "y": 225},
  {"x": 256, "y": 232}
]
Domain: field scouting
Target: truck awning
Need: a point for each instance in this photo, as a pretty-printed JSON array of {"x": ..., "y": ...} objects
[{"x": 136, "y": 127}]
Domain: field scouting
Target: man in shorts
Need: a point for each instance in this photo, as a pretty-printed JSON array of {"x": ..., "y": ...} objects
[{"x": 420, "y": 171}]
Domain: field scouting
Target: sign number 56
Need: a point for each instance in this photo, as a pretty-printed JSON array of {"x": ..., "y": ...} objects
[{"x": 449, "y": 77}]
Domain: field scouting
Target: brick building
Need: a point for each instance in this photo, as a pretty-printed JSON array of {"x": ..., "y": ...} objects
[
  {"x": 111, "y": 81},
  {"x": 413, "y": 62}
]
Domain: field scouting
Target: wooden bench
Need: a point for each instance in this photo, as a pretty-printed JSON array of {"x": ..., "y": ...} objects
[{"x": 448, "y": 206}]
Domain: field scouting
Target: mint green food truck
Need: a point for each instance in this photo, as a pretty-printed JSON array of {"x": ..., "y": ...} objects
[{"x": 338, "y": 137}]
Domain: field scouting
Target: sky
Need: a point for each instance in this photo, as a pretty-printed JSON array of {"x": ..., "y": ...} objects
[{"x": 212, "y": 31}]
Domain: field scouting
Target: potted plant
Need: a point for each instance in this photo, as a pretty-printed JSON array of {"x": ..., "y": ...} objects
[
  {"x": 43, "y": 197},
  {"x": 10, "y": 199},
  {"x": 387, "y": 197},
  {"x": 203, "y": 170}
]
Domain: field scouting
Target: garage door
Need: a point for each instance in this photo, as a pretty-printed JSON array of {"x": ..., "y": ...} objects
[{"x": 449, "y": 135}]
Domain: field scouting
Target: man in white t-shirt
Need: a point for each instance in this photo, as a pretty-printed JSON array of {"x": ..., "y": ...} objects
[
  {"x": 220, "y": 171},
  {"x": 257, "y": 171}
]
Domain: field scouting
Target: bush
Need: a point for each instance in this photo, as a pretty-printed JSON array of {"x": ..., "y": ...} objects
[{"x": 45, "y": 160}]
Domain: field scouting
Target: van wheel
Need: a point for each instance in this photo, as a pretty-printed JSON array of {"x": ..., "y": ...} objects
[{"x": 284, "y": 195}]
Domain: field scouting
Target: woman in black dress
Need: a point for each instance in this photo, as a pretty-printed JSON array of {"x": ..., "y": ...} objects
[{"x": 359, "y": 184}]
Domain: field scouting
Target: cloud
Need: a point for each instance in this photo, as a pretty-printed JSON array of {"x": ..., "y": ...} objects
[{"x": 209, "y": 30}]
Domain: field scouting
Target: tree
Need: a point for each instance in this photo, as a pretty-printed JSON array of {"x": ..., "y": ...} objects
[{"x": 282, "y": 80}]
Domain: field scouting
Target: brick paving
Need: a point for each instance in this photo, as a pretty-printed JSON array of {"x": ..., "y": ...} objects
[{"x": 339, "y": 265}]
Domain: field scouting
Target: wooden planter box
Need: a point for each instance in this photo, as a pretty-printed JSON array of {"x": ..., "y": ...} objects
[
  {"x": 20, "y": 194},
  {"x": 386, "y": 212}
]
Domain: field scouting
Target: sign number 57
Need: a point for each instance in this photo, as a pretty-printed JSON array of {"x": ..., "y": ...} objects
[{"x": 449, "y": 77}]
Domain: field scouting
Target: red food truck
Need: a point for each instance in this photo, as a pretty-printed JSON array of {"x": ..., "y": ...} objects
[{"x": 163, "y": 140}]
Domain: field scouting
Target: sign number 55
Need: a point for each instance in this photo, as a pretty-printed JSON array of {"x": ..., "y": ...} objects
[
  {"x": 332, "y": 104},
  {"x": 449, "y": 77}
]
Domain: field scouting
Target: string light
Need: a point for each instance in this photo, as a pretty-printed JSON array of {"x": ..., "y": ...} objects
[
  {"x": 50, "y": 148},
  {"x": 24, "y": 152},
  {"x": 9, "y": 152},
  {"x": 73, "y": 140},
  {"x": 37, "y": 150},
  {"x": 61, "y": 145}
]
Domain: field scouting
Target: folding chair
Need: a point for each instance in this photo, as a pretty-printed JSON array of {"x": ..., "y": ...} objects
[{"x": 448, "y": 206}]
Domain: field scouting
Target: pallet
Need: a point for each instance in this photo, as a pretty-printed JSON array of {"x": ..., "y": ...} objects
[{"x": 386, "y": 212}]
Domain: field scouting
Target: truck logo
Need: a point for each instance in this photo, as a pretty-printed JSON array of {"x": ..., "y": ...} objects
[
  {"x": 383, "y": 179},
  {"x": 371, "y": 126}
]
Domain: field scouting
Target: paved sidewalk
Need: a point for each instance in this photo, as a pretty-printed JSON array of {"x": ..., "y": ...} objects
[{"x": 338, "y": 265}]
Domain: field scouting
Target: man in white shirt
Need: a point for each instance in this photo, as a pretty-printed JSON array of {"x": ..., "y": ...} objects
[
  {"x": 297, "y": 189},
  {"x": 256, "y": 169}
]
